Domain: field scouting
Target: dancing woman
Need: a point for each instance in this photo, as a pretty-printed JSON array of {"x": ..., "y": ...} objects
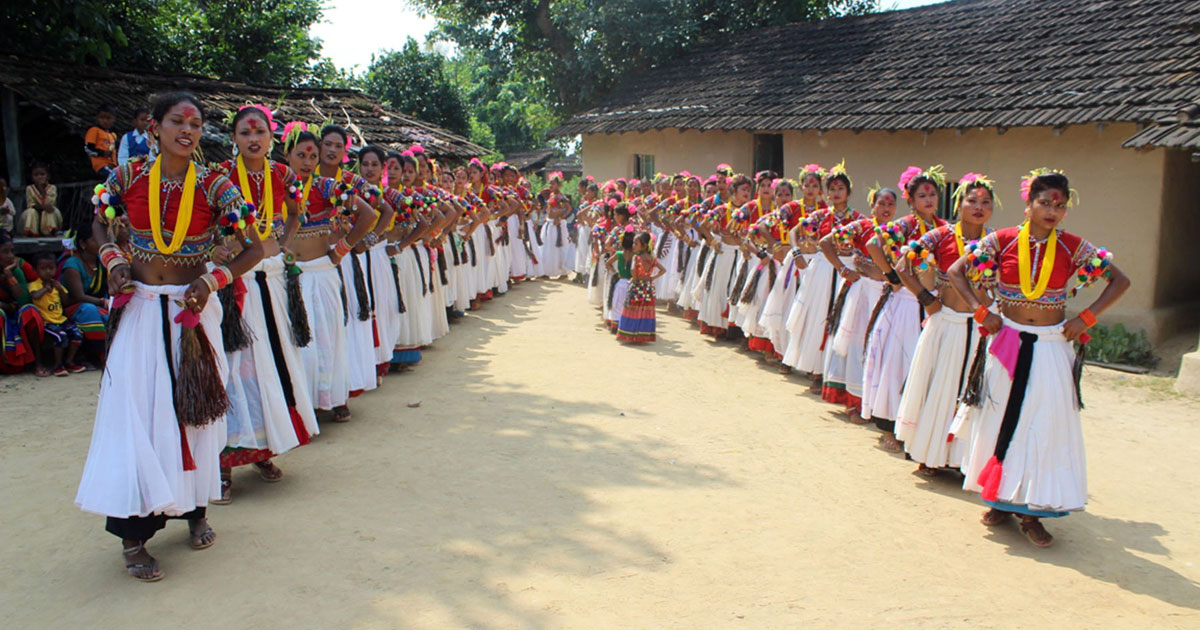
[
  {"x": 160, "y": 418},
  {"x": 1025, "y": 454}
]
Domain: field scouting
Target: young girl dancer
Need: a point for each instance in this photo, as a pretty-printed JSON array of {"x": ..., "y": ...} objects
[
  {"x": 948, "y": 342},
  {"x": 381, "y": 279},
  {"x": 271, "y": 410},
  {"x": 620, "y": 270},
  {"x": 1025, "y": 453},
  {"x": 814, "y": 299},
  {"x": 862, "y": 284},
  {"x": 637, "y": 323},
  {"x": 896, "y": 321}
]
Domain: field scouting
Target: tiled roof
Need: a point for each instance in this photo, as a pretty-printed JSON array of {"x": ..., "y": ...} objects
[
  {"x": 966, "y": 63},
  {"x": 1178, "y": 130},
  {"x": 526, "y": 160},
  {"x": 71, "y": 94}
]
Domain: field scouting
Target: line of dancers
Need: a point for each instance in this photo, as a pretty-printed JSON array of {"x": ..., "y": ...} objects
[
  {"x": 951, "y": 337},
  {"x": 250, "y": 295}
]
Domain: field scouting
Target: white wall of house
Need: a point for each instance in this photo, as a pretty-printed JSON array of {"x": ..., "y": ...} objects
[{"x": 1121, "y": 204}]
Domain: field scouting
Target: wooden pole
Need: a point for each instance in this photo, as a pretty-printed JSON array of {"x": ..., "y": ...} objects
[{"x": 12, "y": 138}]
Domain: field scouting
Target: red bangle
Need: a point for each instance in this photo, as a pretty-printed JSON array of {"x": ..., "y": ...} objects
[
  {"x": 223, "y": 275},
  {"x": 981, "y": 314},
  {"x": 1087, "y": 317},
  {"x": 342, "y": 248}
]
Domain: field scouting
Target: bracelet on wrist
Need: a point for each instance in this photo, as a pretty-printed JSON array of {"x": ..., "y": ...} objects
[
  {"x": 926, "y": 298},
  {"x": 223, "y": 276},
  {"x": 210, "y": 280},
  {"x": 1087, "y": 317},
  {"x": 893, "y": 277},
  {"x": 981, "y": 314}
]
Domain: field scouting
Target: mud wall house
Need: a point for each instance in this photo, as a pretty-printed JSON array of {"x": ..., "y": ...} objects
[
  {"x": 994, "y": 86},
  {"x": 46, "y": 107}
]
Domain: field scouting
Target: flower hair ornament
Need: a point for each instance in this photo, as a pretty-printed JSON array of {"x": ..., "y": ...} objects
[
  {"x": 839, "y": 170},
  {"x": 933, "y": 173},
  {"x": 969, "y": 181},
  {"x": 555, "y": 175},
  {"x": 1027, "y": 182},
  {"x": 814, "y": 169},
  {"x": 725, "y": 169},
  {"x": 874, "y": 192},
  {"x": 291, "y": 132}
]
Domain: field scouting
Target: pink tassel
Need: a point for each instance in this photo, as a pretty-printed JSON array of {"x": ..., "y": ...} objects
[{"x": 989, "y": 478}]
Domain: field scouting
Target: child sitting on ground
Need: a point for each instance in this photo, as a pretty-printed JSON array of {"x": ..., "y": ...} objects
[
  {"x": 61, "y": 332},
  {"x": 41, "y": 216}
]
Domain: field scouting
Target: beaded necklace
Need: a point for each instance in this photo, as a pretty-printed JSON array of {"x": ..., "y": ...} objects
[
  {"x": 1024, "y": 264},
  {"x": 268, "y": 199},
  {"x": 186, "y": 204}
]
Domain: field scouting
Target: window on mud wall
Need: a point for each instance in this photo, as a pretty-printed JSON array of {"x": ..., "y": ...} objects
[
  {"x": 768, "y": 152},
  {"x": 643, "y": 166}
]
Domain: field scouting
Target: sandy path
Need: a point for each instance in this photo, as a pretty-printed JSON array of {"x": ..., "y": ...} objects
[{"x": 554, "y": 479}]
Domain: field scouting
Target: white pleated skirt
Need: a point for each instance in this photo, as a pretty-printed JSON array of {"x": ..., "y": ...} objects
[
  {"x": 134, "y": 465},
  {"x": 772, "y": 320},
  {"x": 806, "y": 317},
  {"x": 614, "y": 306},
  {"x": 714, "y": 302},
  {"x": 553, "y": 254},
  {"x": 360, "y": 335},
  {"x": 749, "y": 313},
  {"x": 666, "y": 287},
  {"x": 519, "y": 265},
  {"x": 889, "y": 353},
  {"x": 1045, "y": 467},
  {"x": 583, "y": 248},
  {"x": 464, "y": 275},
  {"x": 537, "y": 266},
  {"x": 259, "y": 415},
  {"x": 437, "y": 301},
  {"x": 843, "y": 360},
  {"x": 687, "y": 286},
  {"x": 387, "y": 302},
  {"x": 411, "y": 287},
  {"x": 326, "y": 358},
  {"x": 936, "y": 379}
]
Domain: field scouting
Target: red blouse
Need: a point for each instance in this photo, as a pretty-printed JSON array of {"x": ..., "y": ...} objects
[
  {"x": 282, "y": 178},
  {"x": 215, "y": 195},
  {"x": 1071, "y": 253}
]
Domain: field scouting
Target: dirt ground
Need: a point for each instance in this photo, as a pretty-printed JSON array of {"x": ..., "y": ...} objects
[{"x": 552, "y": 478}]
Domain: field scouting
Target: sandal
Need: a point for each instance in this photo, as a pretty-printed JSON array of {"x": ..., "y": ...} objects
[
  {"x": 204, "y": 539},
  {"x": 226, "y": 491},
  {"x": 141, "y": 571},
  {"x": 855, "y": 414},
  {"x": 268, "y": 471},
  {"x": 784, "y": 368},
  {"x": 927, "y": 471},
  {"x": 341, "y": 414},
  {"x": 1032, "y": 527},
  {"x": 994, "y": 517}
]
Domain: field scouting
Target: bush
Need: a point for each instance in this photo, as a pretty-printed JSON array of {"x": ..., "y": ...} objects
[{"x": 1115, "y": 344}]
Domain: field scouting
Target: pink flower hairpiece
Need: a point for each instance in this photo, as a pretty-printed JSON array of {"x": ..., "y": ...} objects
[
  {"x": 417, "y": 149},
  {"x": 685, "y": 174},
  {"x": 629, "y": 228},
  {"x": 477, "y": 162},
  {"x": 907, "y": 176},
  {"x": 612, "y": 203},
  {"x": 589, "y": 178},
  {"x": 555, "y": 175},
  {"x": 407, "y": 153},
  {"x": 813, "y": 168},
  {"x": 263, "y": 109}
]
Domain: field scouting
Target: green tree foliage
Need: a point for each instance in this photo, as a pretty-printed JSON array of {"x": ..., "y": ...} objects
[
  {"x": 416, "y": 83},
  {"x": 579, "y": 49},
  {"x": 258, "y": 41},
  {"x": 506, "y": 102}
]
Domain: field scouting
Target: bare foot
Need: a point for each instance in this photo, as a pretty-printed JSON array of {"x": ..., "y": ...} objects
[
  {"x": 226, "y": 488},
  {"x": 889, "y": 443},
  {"x": 139, "y": 563}
]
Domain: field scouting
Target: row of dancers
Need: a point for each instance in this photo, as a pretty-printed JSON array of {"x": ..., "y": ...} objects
[
  {"x": 951, "y": 336},
  {"x": 250, "y": 295}
]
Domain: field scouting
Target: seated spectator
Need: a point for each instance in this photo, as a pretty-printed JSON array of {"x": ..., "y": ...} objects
[
  {"x": 62, "y": 336},
  {"x": 21, "y": 332},
  {"x": 87, "y": 291},
  {"x": 41, "y": 216},
  {"x": 8, "y": 213},
  {"x": 100, "y": 143},
  {"x": 136, "y": 143}
]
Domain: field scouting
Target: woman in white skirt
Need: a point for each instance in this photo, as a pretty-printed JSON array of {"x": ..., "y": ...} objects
[
  {"x": 1025, "y": 454},
  {"x": 160, "y": 418},
  {"x": 326, "y": 358},
  {"x": 270, "y": 410},
  {"x": 807, "y": 315},
  {"x": 948, "y": 343},
  {"x": 861, "y": 286},
  {"x": 554, "y": 231},
  {"x": 766, "y": 234},
  {"x": 800, "y": 247},
  {"x": 380, "y": 275},
  {"x": 896, "y": 320},
  {"x": 620, "y": 266},
  {"x": 712, "y": 287}
]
